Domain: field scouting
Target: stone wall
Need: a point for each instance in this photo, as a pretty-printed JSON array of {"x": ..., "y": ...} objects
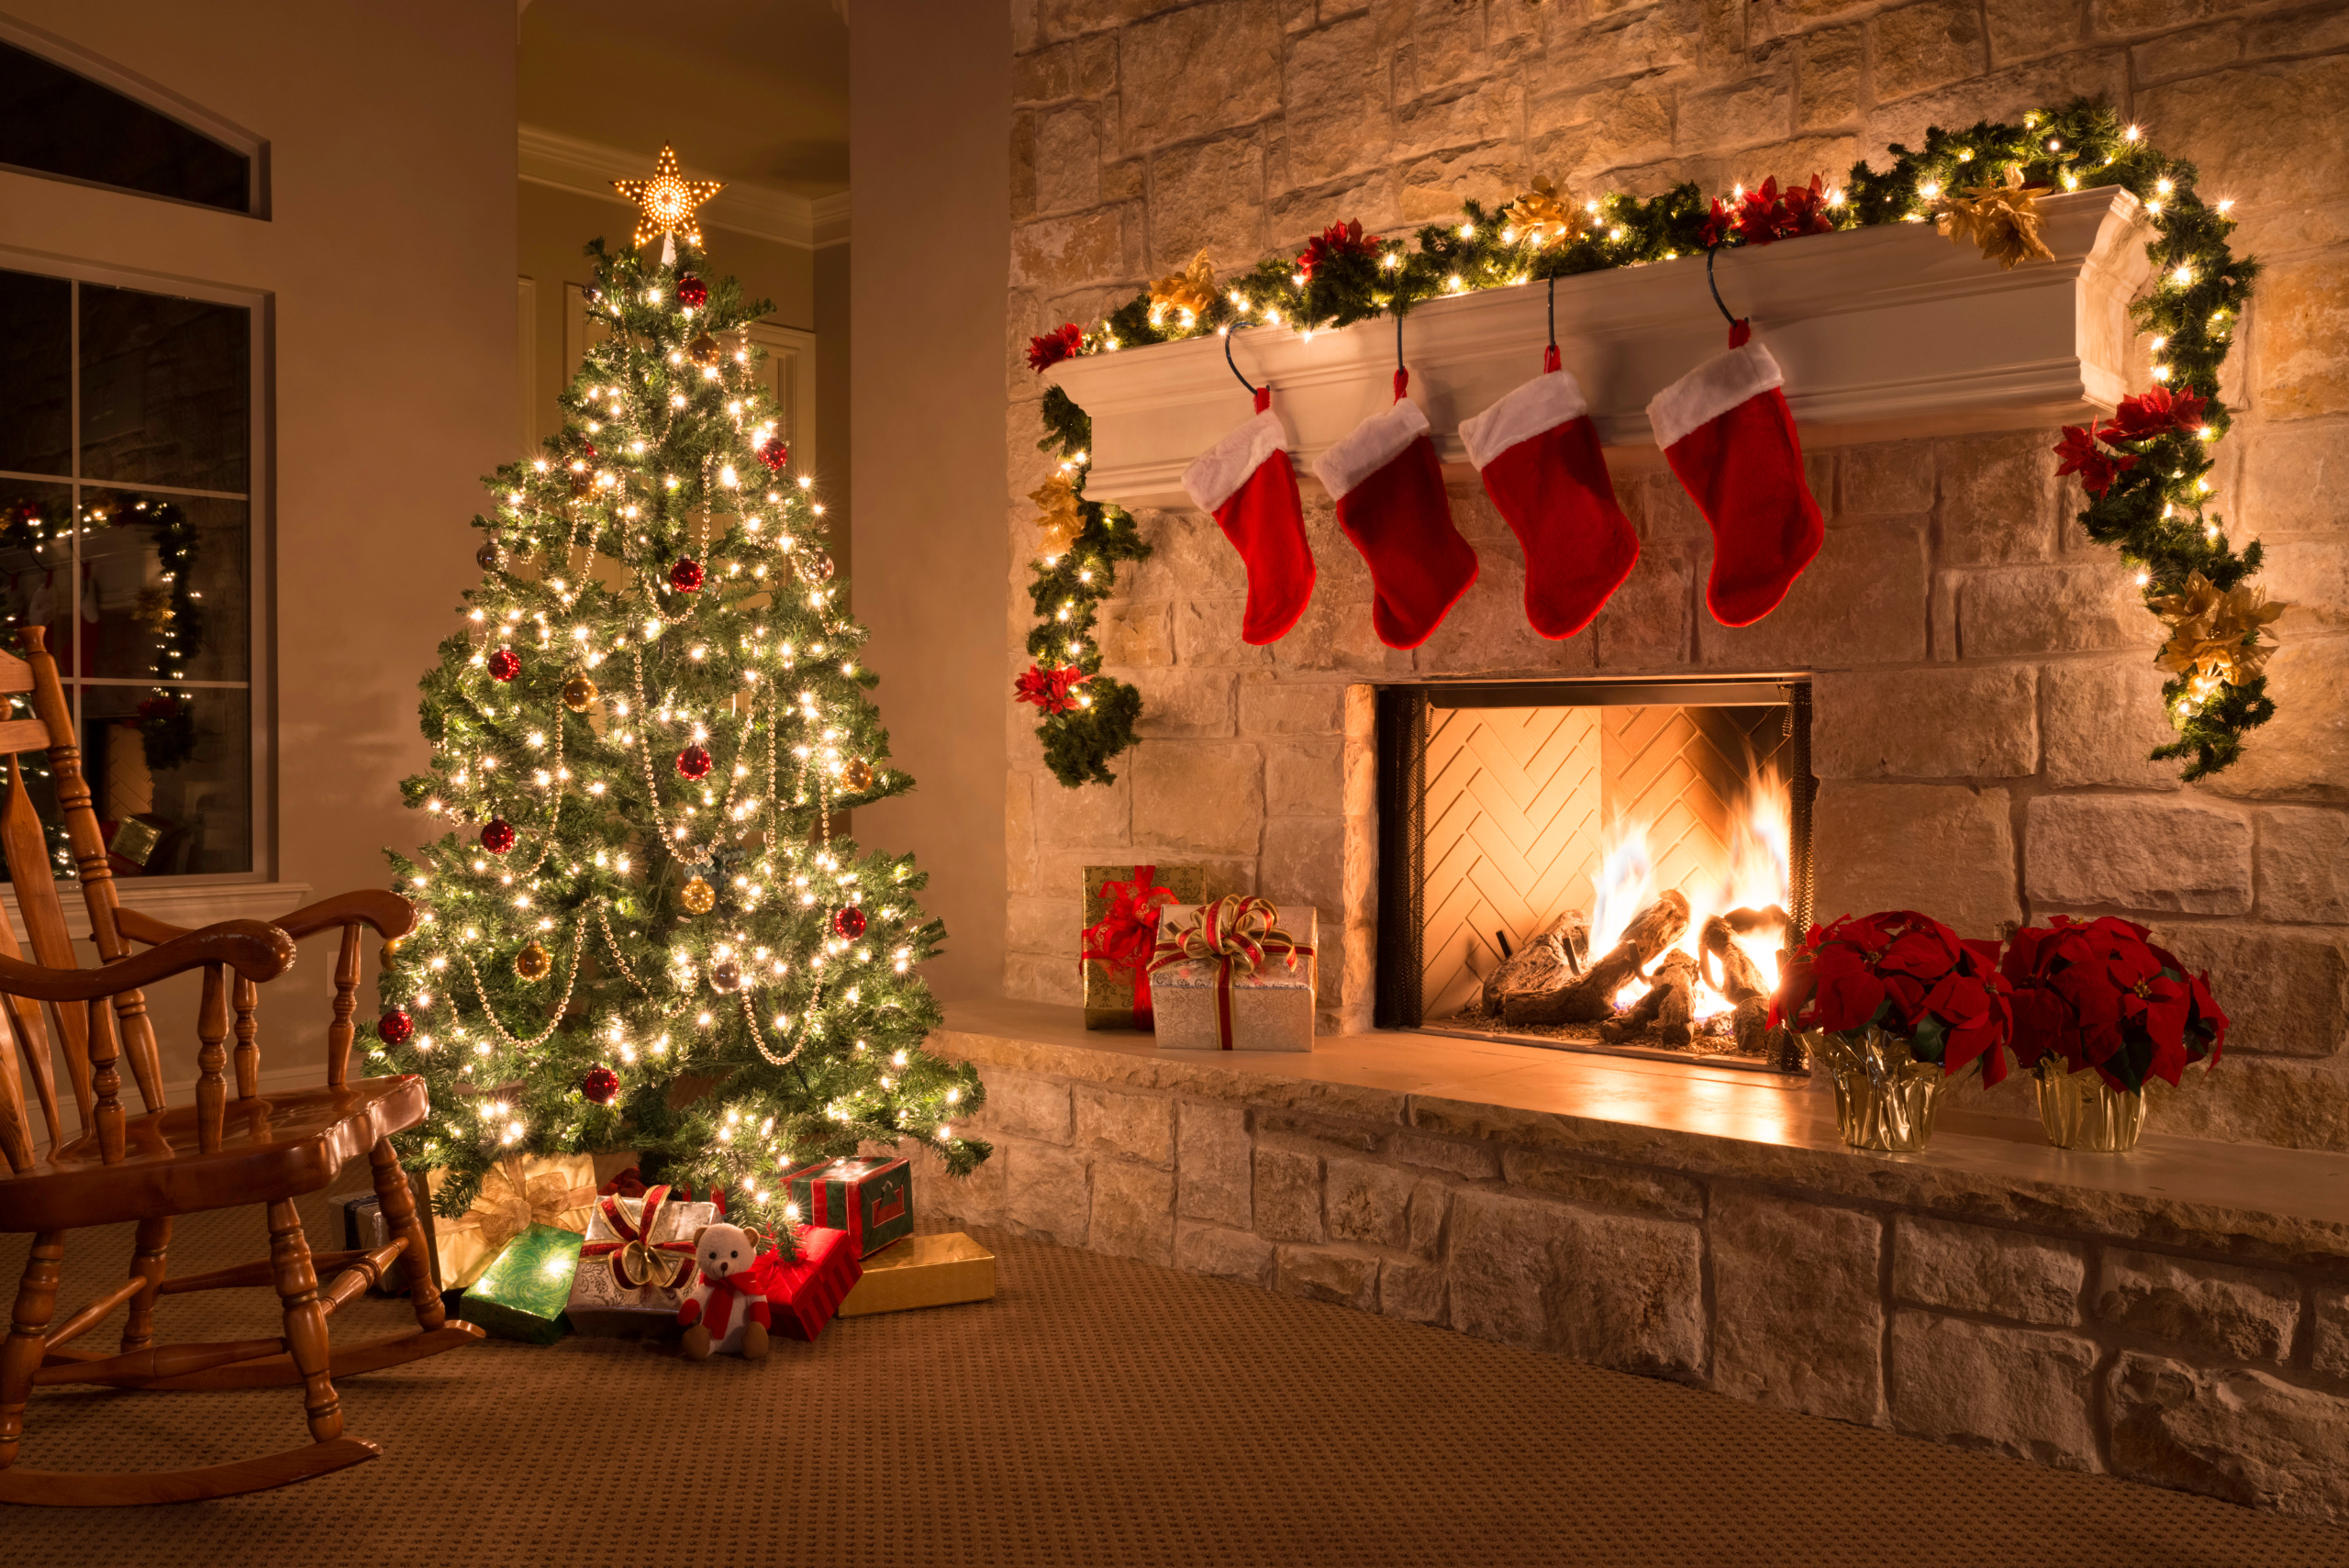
[
  {"x": 2074, "y": 1328},
  {"x": 1985, "y": 690}
]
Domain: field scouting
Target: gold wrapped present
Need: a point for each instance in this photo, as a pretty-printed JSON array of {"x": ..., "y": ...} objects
[
  {"x": 923, "y": 1271},
  {"x": 1236, "y": 974},
  {"x": 516, "y": 1193},
  {"x": 1122, "y": 907}
]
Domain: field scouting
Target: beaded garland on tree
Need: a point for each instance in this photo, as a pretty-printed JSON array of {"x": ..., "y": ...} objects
[
  {"x": 2149, "y": 497},
  {"x": 654, "y": 728}
]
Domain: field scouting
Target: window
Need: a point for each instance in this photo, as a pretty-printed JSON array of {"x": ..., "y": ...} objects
[
  {"x": 127, "y": 439},
  {"x": 57, "y": 121}
]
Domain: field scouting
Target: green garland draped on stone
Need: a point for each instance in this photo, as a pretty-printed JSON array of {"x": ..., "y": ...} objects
[{"x": 2153, "y": 511}]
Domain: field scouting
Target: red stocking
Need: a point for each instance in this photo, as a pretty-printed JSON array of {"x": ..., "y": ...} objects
[
  {"x": 1538, "y": 453},
  {"x": 1390, "y": 490},
  {"x": 1246, "y": 481},
  {"x": 1727, "y": 432}
]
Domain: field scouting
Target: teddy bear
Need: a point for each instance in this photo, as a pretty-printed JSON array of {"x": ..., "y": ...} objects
[{"x": 727, "y": 1309}]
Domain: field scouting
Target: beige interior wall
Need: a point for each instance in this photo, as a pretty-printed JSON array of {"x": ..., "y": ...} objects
[
  {"x": 930, "y": 88},
  {"x": 554, "y": 225},
  {"x": 388, "y": 262}
]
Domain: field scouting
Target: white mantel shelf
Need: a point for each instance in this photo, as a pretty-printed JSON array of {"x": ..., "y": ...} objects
[{"x": 1880, "y": 331}]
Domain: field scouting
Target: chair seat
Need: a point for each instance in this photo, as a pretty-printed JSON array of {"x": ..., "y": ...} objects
[{"x": 271, "y": 1147}]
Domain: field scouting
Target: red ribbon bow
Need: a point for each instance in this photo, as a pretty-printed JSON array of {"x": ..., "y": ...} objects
[
  {"x": 636, "y": 1260},
  {"x": 1126, "y": 936}
]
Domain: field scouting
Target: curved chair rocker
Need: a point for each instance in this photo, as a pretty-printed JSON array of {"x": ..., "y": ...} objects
[{"x": 217, "y": 1153}]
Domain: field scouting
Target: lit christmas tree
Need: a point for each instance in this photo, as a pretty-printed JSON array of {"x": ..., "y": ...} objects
[{"x": 644, "y": 932}]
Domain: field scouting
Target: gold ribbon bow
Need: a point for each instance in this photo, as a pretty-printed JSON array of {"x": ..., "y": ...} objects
[
  {"x": 514, "y": 1196},
  {"x": 1238, "y": 931},
  {"x": 1544, "y": 209},
  {"x": 2216, "y": 636},
  {"x": 1063, "y": 516},
  {"x": 1190, "y": 291},
  {"x": 2002, "y": 220}
]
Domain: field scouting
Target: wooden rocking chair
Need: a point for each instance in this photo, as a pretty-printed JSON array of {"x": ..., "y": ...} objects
[{"x": 218, "y": 1152}]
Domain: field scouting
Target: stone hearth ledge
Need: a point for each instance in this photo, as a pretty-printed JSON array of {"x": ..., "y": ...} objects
[{"x": 2276, "y": 1204}]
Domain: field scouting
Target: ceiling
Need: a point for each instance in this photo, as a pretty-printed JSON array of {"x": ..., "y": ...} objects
[{"x": 752, "y": 90}]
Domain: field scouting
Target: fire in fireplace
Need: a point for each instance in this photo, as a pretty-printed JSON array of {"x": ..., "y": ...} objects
[{"x": 1616, "y": 866}]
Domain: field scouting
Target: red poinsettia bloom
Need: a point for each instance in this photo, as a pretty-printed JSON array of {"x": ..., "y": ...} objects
[
  {"x": 1909, "y": 975},
  {"x": 1336, "y": 244},
  {"x": 2097, "y": 468},
  {"x": 1054, "y": 690},
  {"x": 2099, "y": 993},
  {"x": 2155, "y": 413},
  {"x": 1766, "y": 214},
  {"x": 1053, "y": 347}
]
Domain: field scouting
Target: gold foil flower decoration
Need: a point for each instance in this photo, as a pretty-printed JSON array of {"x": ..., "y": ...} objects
[
  {"x": 2214, "y": 636},
  {"x": 1543, "y": 214},
  {"x": 1063, "y": 516},
  {"x": 1187, "y": 293},
  {"x": 2002, "y": 220}
]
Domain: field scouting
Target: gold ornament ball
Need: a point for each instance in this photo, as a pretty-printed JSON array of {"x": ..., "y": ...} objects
[
  {"x": 533, "y": 963},
  {"x": 578, "y": 693},
  {"x": 702, "y": 350},
  {"x": 697, "y": 898},
  {"x": 858, "y": 776},
  {"x": 392, "y": 947}
]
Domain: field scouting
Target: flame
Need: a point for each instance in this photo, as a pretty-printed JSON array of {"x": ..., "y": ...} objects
[{"x": 1761, "y": 855}]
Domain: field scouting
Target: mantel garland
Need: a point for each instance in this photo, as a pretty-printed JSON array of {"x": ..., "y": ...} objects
[{"x": 2148, "y": 495}]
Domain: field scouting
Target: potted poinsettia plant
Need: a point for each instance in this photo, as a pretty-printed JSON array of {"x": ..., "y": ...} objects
[
  {"x": 2100, "y": 1008},
  {"x": 1896, "y": 1003}
]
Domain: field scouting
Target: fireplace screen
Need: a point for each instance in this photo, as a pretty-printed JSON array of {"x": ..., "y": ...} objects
[{"x": 1614, "y": 867}]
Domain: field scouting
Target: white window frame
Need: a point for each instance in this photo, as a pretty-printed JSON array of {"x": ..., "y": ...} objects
[{"x": 200, "y": 898}]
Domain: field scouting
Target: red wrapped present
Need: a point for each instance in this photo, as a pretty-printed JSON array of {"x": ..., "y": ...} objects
[
  {"x": 872, "y": 1200},
  {"x": 804, "y": 1292}
]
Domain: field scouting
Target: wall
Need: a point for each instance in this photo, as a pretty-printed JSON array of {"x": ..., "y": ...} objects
[
  {"x": 555, "y": 223},
  {"x": 1985, "y": 694},
  {"x": 389, "y": 265},
  {"x": 929, "y": 82}
]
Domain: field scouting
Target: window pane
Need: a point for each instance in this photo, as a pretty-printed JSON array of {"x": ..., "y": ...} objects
[
  {"x": 35, "y": 373},
  {"x": 164, "y": 390},
  {"x": 37, "y": 564},
  {"x": 165, "y": 579},
  {"x": 54, "y": 122},
  {"x": 170, "y": 774}
]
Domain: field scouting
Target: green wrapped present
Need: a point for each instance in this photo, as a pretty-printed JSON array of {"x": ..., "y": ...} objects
[{"x": 523, "y": 1292}]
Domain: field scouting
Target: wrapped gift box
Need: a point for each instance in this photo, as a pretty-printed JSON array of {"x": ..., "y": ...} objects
[
  {"x": 1208, "y": 996},
  {"x": 923, "y": 1271},
  {"x": 1121, "y": 910},
  {"x": 808, "y": 1289},
  {"x": 522, "y": 1293},
  {"x": 871, "y": 1198},
  {"x": 364, "y": 1229},
  {"x": 623, "y": 1290},
  {"x": 519, "y": 1190}
]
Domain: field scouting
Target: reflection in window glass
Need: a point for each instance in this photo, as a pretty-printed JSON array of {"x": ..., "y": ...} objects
[
  {"x": 143, "y": 586},
  {"x": 55, "y": 122}
]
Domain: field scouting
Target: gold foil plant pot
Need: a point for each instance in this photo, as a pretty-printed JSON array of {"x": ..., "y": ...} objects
[
  {"x": 1885, "y": 1098},
  {"x": 2081, "y": 1111}
]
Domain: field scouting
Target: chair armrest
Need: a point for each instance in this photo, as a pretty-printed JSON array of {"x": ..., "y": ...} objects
[
  {"x": 255, "y": 950},
  {"x": 387, "y": 912}
]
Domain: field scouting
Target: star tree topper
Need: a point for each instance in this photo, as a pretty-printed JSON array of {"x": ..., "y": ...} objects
[{"x": 665, "y": 203}]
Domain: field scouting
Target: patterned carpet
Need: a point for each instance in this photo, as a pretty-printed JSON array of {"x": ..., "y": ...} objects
[{"x": 1097, "y": 1412}]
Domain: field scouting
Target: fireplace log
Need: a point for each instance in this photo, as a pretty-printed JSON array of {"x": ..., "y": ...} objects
[
  {"x": 1740, "y": 979},
  {"x": 1676, "y": 1012},
  {"x": 1750, "y": 1024},
  {"x": 1542, "y": 966},
  {"x": 1591, "y": 997}
]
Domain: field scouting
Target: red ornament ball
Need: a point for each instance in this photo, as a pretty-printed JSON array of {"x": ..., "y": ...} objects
[
  {"x": 504, "y": 664},
  {"x": 774, "y": 454},
  {"x": 601, "y": 1086},
  {"x": 686, "y": 575},
  {"x": 692, "y": 293},
  {"x": 848, "y": 923},
  {"x": 396, "y": 1026},
  {"x": 587, "y": 448},
  {"x": 694, "y": 762},
  {"x": 497, "y": 836}
]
